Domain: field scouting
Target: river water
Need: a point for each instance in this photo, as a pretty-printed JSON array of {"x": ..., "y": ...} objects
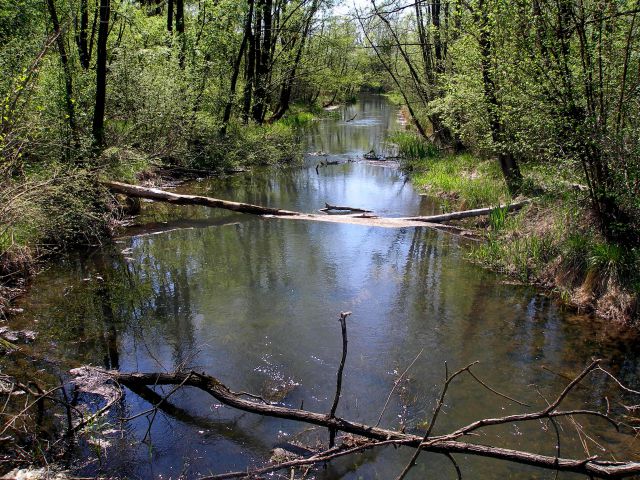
[{"x": 255, "y": 302}]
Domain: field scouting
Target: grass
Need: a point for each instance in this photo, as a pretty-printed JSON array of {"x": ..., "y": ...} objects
[
  {"x": 394, "y": 97},
  {"x": 297, "y": 119},
  {"x": 463, "y": 179},
  {"x": 553, "y": 242}
]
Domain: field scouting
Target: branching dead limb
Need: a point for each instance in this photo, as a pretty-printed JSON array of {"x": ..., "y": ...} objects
[
  {"x": 447, "y": 381},
  {"x": 445, "y": 444},
  {"x": 341, "y": 208}
]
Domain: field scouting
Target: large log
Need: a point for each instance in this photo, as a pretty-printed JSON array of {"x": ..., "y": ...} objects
[
  {"x": 181, "y": 199},
  {"x": 389, "y": 222},
  {"x": 477, "y": 212},
  {"x": 445, "y": 444}
]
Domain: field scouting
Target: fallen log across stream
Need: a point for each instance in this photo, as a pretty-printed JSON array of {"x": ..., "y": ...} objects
[
  {"x": 366, "y": 219},
  {"x": 94, "y": 380}
]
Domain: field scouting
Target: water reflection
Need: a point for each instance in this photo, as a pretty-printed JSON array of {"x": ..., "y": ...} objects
[{"x": 255, "y": 302}]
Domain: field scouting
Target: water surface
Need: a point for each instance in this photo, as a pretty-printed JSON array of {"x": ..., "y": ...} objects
[{"x": 256, "y": 301}]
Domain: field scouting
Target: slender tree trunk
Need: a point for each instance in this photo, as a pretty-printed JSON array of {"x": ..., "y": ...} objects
[
  {"x": 180, "y": 31},
  {"x": 262, "y": 64},
  {"x": 64, "y": 60},
  {"x": 81, "y": 38},
  {"x": 250, "y": 69},
  {"x": 285, "y": 93},
  {"x": 101, "y": 74},
  {"x": 236, "y": 71},
  {"x": 170, "y": 16},
  {"x": 94, "y": 25},
  {"x": 508, "y": 163},
  {"x": 414, "y": 117}
]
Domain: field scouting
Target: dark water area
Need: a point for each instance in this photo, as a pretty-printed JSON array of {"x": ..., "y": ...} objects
[{"x": 255, "y": 302}]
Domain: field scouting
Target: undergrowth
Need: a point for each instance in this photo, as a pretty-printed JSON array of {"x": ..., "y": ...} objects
[
  {"x": 465, "y": 180},
  {"x": 553, "y": 242}
]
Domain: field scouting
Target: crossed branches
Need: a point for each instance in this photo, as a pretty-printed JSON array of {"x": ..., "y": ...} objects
[{"x": 373, "y": 436}]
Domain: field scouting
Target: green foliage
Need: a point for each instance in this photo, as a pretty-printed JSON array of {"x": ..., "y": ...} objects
[
  {"x": 297, "y": 120},
  {"x": 521, "y": 257},
  {"x": 275, "y": 144},
  {"x": 607, "y": 259},
  {"x": 498, "y": 218},
  {"x": 472, "y": 182},
  {"x": 413, "y": 149}
]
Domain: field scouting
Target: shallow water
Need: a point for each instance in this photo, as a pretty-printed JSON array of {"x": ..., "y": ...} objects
[{"x": 255, "y": 302}]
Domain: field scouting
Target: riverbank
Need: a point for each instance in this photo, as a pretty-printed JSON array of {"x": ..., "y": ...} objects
[
  {"x": 49, "y": 208},
  {"x": 552, "y": 243}
]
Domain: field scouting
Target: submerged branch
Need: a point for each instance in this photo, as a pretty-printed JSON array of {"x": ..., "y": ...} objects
[{"x": 446, "y": 444}]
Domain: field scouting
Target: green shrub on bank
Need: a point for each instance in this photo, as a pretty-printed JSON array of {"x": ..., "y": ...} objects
[
  {"x": 470, "y": 181},
  {"x": 297, "y": 119},
  {"x": 415, "y": 151},
  {"x": 42, "y": 212},
  {"x": 244, "y": 145}
]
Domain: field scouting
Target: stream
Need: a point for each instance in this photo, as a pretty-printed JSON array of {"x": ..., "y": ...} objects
[{"x": 255, "y": 302}]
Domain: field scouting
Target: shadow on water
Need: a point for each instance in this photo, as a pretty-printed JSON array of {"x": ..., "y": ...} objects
[{"x": 255, "y": 302}]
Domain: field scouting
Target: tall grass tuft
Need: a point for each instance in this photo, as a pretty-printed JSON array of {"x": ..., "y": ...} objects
[{"x": 413, "y": 148}]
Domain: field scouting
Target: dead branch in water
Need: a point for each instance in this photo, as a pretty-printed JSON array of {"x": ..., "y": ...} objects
[
  {"x": 445, "y": 444},
  {"x": 476, "y": 212},
  {"x": 338, "y": 208},
  {"x": 334, "y": 407},
  {"x": 402, "y": 222},
  {"x": 180, "y": 199}
]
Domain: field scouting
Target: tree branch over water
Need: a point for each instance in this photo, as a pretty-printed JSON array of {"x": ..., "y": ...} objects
[{"x": 363, "y": 436}]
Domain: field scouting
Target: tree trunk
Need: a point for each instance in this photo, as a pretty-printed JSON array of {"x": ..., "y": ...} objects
[
  {"x": 508, "y": 164},
  {"x": 262, "y": 65},
  {"x": 236, "y": 71},
  {"x": 180, "y": 31},
  {"x": 447, "y": 444},
  {"x": 81, "y": 38},
  {"x": 285, "y": 93},
  {"x": 101, "y": 74},
  {"x": 170, "y": 16},
  {"x": 64, "y": 60}
]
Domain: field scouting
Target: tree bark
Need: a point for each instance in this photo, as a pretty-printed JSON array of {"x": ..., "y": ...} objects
[
  {"x": 508, "y": 163},
  {"x": 180, "y": 31},
  {"x": 254, "y": 40},
  {"x": 363, "y": 219},
  {"x": 263, "y": 66},
  {"x": 163, "y": 196},
  {"x": 64, "y": 60},
  {"x": 101, "y": 74},
  {"x": 445, "y": 444},
  {"x": 236, "y": 70},
  {"x": 285, "y": 93},
  {"x": 477, "y": 212},
  {"x": 82, "y": 38}
]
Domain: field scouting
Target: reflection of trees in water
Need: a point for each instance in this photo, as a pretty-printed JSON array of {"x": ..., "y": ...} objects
[{"x": 421, "y": 287}]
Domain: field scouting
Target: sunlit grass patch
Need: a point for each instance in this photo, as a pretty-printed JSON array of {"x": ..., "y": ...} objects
[
  {"x": 297, "y": 120},
  {"x": 474, "y": 183}
]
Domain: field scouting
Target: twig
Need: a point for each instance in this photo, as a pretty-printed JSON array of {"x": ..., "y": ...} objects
[
  {"x": 395, "y": 384},
  {"x": 623, "y": 387},
  {"x": 327, "y": 455},
  {"x": 434, "y": 417},
  {"x": 334, "y": 407},
  {"x": 495, "y": 391},
  {"x": 455, "y": 465}
]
